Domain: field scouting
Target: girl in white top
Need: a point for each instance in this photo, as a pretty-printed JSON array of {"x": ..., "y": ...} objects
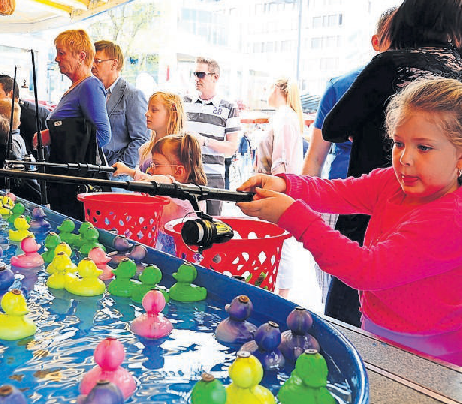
[
  {"x": 281, "y": 151},
  {"x": 174, "y": 158}
]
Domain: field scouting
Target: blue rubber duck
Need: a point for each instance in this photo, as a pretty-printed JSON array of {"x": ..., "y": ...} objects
[
  {"x": 13, "y": 324},
  {"x": 184, "y": 290},
  {"x": 88, "y": 284}
]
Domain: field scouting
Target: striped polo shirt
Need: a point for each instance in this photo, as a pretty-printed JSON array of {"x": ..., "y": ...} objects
[{"x": 214, "y": 119}]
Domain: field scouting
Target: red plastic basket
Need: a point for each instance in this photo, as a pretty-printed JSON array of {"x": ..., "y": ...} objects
[
  {"x": 253, "y": 253},
  {"x": 133, "y": 215}
]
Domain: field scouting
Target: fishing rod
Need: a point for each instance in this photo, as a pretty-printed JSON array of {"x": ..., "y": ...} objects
[
  {"x": 202, "y": 232},
  {"x": 40, "y": 147},
  {"x": 82, "y": 167}
]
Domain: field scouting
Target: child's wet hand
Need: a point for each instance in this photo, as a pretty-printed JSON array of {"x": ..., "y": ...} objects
[{"x": 267, "y": 205}]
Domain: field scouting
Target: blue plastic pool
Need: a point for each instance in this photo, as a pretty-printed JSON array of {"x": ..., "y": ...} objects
[{"x": 49, "y": 366}]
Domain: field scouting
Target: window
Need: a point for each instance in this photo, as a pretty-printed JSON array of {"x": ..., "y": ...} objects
[{"x": 328, "y": 63}]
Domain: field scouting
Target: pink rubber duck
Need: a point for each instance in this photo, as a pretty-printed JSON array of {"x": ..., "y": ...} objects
[
  {"x": 100, "y": 258},
  {"x": 109, "y": 355},
  {"x": 31, "y": 258},
  {"x": 152, "y": 324}
]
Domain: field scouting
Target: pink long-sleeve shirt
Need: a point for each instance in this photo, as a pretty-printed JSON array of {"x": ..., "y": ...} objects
[{"x": 409, "y": 270}]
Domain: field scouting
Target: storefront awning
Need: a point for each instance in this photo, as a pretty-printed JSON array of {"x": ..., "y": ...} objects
[{"x": 36, "y": 15}]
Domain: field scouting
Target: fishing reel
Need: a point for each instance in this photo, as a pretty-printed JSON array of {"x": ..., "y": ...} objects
[{"x": 205, "y": 231}]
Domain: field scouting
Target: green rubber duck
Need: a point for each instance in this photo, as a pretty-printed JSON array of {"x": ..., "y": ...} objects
[
  {"x": 208, "y": 390},
  {"x": 307, "y": 383},
  {"x": 66, "y": 234},
  {"x": 80, "y": 239},
  {"x": 18, "y": 210},
  {"x": 122, "y": 285},
  {"x": 149, "y": 278},
  {"x": 184, "y": 290},
  {"x": 51, "y": 242},
  {"x": 90, "y": 241}
]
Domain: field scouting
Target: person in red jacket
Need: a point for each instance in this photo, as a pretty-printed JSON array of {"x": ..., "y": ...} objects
[{"x": 409, "y": 269}]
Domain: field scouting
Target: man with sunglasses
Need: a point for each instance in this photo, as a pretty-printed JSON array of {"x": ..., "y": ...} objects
[
  {"x": 125, "y": 106},
  {"x": 216, "y": 122}
]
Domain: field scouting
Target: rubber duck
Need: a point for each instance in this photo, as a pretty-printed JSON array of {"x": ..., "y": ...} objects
[
  {"x": 265, "y": 346},
  {"x": 246, "y": 373},
  {"x": 100, "y": 258},
  {"x": 90, "y": 238},
  {"x": 6, "y": 205},
  {"x": 13, "y": 324},
  {"x": 104, "y": 392},
  {"x": 184, "y": 290},
  {"x": 21, "y": 231},
  {"x": 38, "y": 222},
  {"x": 31, "y": 258},
  {"x": 208, "y": 390},
  {"x": 149, "y": 279},
  {"x": 60, "y": 266},
  {"x": 137, "y": 254},
  {"x": 80, "y": 239},
  {"x": 88, "y": 284},
  {"x": 307, "y": 383},
  {"x": 236, "y": 329},
  {"x": 6, "y": 277},
  {"x": 122, "y": 285},
  {"x": 11, "y": 395},
  {"x": 51, "y": 242},
  {"x": 152, "y": 324},
  {"x": 66, "y": 249},
  {"x": 297, "y": 339},
  {"x": 122, "y": 247},
  {"x": 66, "y": 234},
  {"x": 109, "y": 355},
  {"x": 17, "y": 210}
]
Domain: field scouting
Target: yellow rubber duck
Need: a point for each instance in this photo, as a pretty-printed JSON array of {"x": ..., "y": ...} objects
[
  {"x": 6, "y": 205},
  {"x": 246, "y": 372},
  {"x": 67, "y": 250},
  {"x": 21, "y": 232},
  {"x": 13, "y": 324},
  {"x": 59, "y": 268},
  {"x": 88, "y": 284}
]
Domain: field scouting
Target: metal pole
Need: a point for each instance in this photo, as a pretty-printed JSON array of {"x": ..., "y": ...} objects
[{"x": 299, "y": 40}]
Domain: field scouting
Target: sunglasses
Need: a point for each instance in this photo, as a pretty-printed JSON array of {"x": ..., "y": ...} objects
[
  {"x": 99, "y": 61},
  {"x": 201, "y": 75}
]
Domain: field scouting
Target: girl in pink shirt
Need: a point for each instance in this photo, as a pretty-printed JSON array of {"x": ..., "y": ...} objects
[{"x": 409, "y": 270}]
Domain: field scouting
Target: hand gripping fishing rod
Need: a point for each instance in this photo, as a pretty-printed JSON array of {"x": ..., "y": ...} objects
[{"x": 202, "y": 232}]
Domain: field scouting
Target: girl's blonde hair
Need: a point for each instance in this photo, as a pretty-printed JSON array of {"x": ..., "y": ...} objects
[
  {"x": 77, "y": 40},
  {"x": 5, "y": 110},
  {"x": 439, "y": 97},
  {"x": 289, "y": 90},
  {"x": 176, "y": 117},
  {"x": 183, "y": 149}
]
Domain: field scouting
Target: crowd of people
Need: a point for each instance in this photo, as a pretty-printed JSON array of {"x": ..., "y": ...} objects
[{"x": 394, "y": 127}]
